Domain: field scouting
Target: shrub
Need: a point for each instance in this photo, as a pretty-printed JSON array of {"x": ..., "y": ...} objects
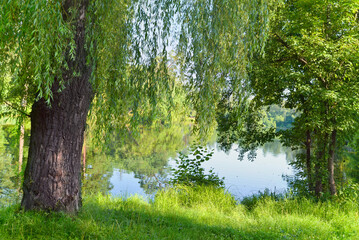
[
  {"x": 252, "y": 201},
  {"x": 189, "y": 171}
]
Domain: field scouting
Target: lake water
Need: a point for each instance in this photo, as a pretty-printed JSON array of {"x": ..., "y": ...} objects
[
  {"x": 144, "y": 166},
  {"x": 241, "y": 178}
]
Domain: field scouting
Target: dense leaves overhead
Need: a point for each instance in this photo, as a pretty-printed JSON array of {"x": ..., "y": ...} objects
[
  {"x": 128, "y": 44},
  {"x": 216, "y": 39},
  {"x": 34, "y": 38},
  {"x": 312, "y": 61}
]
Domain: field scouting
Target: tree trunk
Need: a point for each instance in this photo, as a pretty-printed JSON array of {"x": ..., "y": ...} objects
[
  {"x": 22, "y": 134},
  {"x": 331, "y": 156},
  {"x": 53, "y": 172},
  {"x": 319, "y": 165},
  {"x": 318, "y": 177},
  {"x": 308, "y": 161},
  {"x": 84, "y": 155},
  {"x": 21, "y": 145}
]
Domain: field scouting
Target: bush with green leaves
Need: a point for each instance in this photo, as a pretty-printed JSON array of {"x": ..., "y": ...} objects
[
  {"x": 349, "y": 193},
  {"x": 189, "y": 171},
  {"x": 250, "y": 202}
]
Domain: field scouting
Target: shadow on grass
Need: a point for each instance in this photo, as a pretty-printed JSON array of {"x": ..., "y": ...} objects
[
  {"x": 144, "y": 222},
  {"x": 122, "y": 221}
]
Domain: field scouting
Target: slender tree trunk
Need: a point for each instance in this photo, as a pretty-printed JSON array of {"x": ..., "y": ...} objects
[
  {"x": 21, "y": 145},
  {"x": 84, "y": 155},
  {"x": 22, "y": 135},
  {"x": 319, "y": 165},
  {"x": 331, "y": 156},
  {"x": 318, "y": 177},
  {"x": 53, "y": 172},
  {"x": 308, "y": 161}
]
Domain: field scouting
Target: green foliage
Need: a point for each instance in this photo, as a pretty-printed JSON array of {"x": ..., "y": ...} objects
[
  {"x": 32, "y": 46},
  {"x": 248, "y": 130},
  {"x": 250, "y": 202},
  {"x": 209, "y": 198},
  {"x": 215, "y": 41},
  {"x": 311, "y": 64},
  {"x": 350, "y": 159},
  {"x": 189, "y": 171},
  {"x": 253, "y": 128},
  {"x": 349, "y": 193},
  {"x": 278, "y": 117},
  {"x": 9, "y": 175},
  {"x": 127, "y": 46}
]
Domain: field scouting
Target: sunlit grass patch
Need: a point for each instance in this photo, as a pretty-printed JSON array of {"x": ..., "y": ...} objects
[{"x": 187, "y": 213}]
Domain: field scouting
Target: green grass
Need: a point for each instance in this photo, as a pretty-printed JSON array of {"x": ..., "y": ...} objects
[{"x": 187, "y": 213}]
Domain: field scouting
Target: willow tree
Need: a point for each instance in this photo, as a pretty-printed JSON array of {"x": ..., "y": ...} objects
[{"x": 65, "y": 57}]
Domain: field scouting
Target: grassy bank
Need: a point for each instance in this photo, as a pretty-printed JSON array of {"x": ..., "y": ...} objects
[{"x": 187, "y": 214}]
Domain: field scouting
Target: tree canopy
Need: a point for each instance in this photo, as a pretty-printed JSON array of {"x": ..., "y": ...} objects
[
  {"x": 311, "y": 64},
  {"x": 128, "y": 50}
]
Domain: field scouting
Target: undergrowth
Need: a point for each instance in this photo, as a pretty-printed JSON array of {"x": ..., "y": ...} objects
[{"x": 185, "y": 212}]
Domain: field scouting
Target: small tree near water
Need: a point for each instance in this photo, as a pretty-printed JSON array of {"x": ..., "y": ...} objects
[{"x": 190, "y": 172}]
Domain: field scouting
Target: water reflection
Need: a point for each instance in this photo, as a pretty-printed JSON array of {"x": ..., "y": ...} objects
[
  {"x": 7, "y": 178},
  {"x": 139, "y": 166},
  {"x": 98, "y": 172},
  {"x": 276, "y": 148},
  {"x": 143, "y": 166},
  {"x": 243, "y": 178}
]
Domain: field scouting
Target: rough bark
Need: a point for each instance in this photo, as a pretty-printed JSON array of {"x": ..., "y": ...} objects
[
  {"x": 53, "y": 172},
  {"x": 331, "y": 156}
]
